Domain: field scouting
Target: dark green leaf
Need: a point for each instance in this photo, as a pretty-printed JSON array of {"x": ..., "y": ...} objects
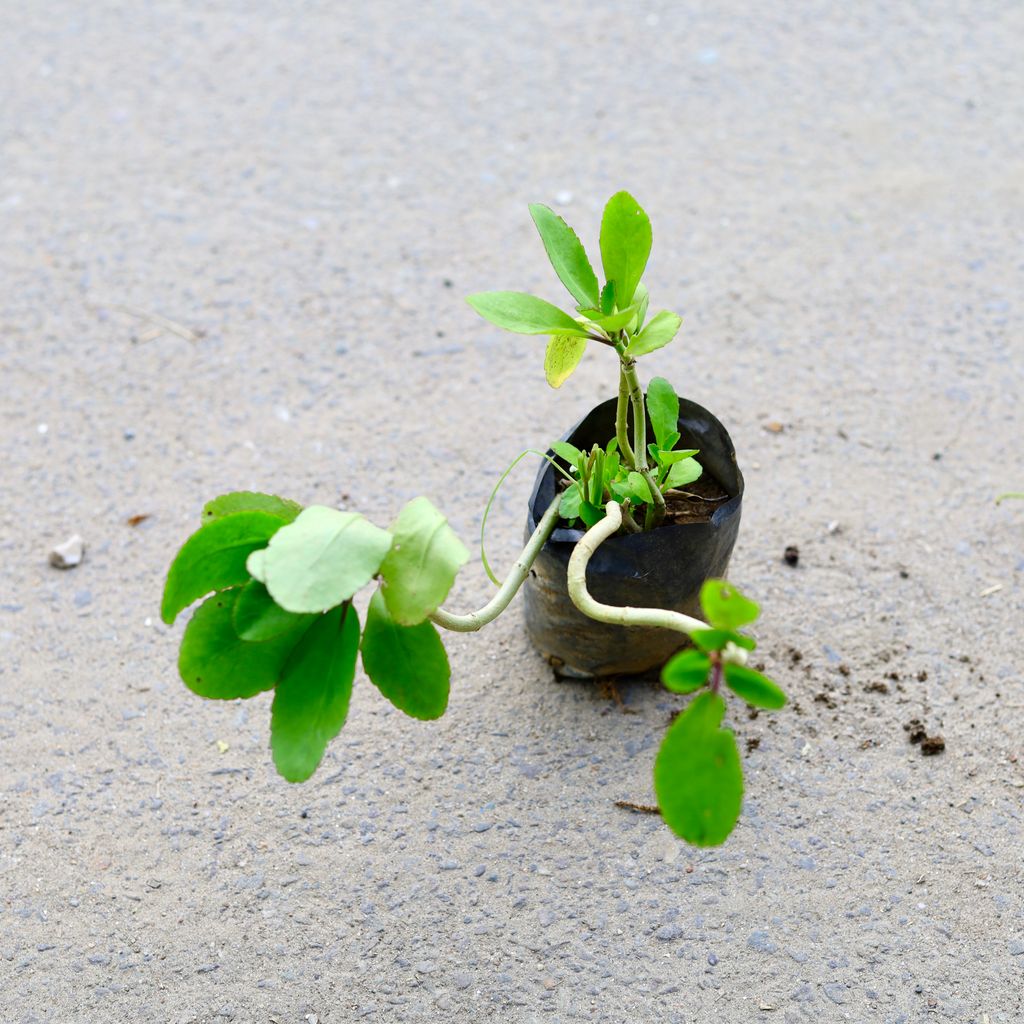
[
  {"x": 725, "y": 607},
  {"x": 524, "y": 314},
  {"x": 662, "y": 408},
  {"x": 215, "y": 662},
  {"x": 661, "y": 329},
  {"x": 567, "y": 255},
  {"x": 569, "y": 506},
  {"x": 250, "y": 501},
  {"x": 323, "y": 558},
  {"x": 697, "y": 776},
  {"x": 561, "y": 357},
  {"x": 608, "y": 298},
  {"x": 257, "y": 617},
  {"x": 687, "y": 671},
  {"x": 312, "y": 696},
  {"x": 625, "y": 245},
  {"x": 753, "y": 687},
  {"x": 716, "y": 639},
  {"x": 591, "y": 514},
  {"x": 408, "y": 664},
  {"x": 213, "y": 558},
  {"x": 682, "y": 473},
  {"x": 422, "y": 564}
]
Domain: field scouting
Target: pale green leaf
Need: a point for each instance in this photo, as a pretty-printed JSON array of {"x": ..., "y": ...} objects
[
  {"x": 616, "y": 321},
  {"x": 250, "y": 501},
  {"x": 567, "y": 255},
  {"x": 214, "y": 558},
  {"x": 662, "y": 408},
  {"x": 563, "y": 355},
  {"x": 638, "y": 485},
  {"x": 422, "y": 564},
  {"x": 682, "y": 473},
  {"x": 312, "y": 696},
  {"x": 686, "y": 671},
  {"x": 255, "y": 564},
  {"x": 677, "y": 455},
  {"x": 754, "y": 688},
  {"x": 216, "y": 663},
  {"x": 408, "y": 664},
  {"x": 725, "y": 607},
  {"x": 697, "y": 776},
  {"x": 717, "y": 639},
  {"x": 569, "y": 506},
  {"x": 257, "y": 617},
  {"x": 661, "y": 329},
  {"x": 625, "y": 245},
  {"x": 524, "y": 314},
  {"x": 641, "y": 299},
  {"x": 323, "y": 558},
  {"x": 566, "y": 451}
]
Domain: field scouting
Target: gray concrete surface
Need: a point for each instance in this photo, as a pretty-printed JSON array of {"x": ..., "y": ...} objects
[{"x": 838, "y": 200}]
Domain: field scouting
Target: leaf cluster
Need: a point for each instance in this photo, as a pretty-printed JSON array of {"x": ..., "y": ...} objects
[
  {"x": 278, "y": 582},
  {"x": 697, "y": 774}
]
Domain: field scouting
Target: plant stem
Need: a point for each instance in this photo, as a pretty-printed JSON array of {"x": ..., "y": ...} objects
[
  {"x": 477, "y": 620},
  {"x": 621, "y": 428},
  {"x": 656, "y": 511}
]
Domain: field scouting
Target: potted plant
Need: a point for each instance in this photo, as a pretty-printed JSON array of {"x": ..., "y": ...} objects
[{"x": 632, "y": 520}]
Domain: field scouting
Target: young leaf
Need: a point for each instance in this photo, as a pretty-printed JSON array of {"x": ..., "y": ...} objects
[
  {"x": 250, "y": 501},
  {"x": 687, "y": 671},
  {"x": 725, "y": 607},
  {"x": 569, "y": 506},
  {"x": 311, "y": 699},
  {"x": 753, "y": 687},
  {"x": 255, "y": 564},
  {"x": 323, "y": 558},
  {"x": 566, "y": 451},
  {"x": 641, "y": 298},
  {"x": 697, "y": 776},
  {"x": 591, "y": 514},
  {"x": 567, "y": 255},
  {"x": 214, "y": 557},
  {"x": 256, "y": 617},
  {"x": 616, "y": 321},
  {"x": 670, "y": 458},
  {"x": 215, "y": 662},
  {"x": 638, "y": 485},
  {"x": 563, "y": 355},
  {"x": 422, "y": 564},
  {"x": 663, "y": 409},
  {"x": 662, "y": 328},
  {"x": 408, "y": 664},
  {"x": 682, "y": 473},
  {"x": 608, "y": 298},
  {"x": 625, "y": 245},
  {"x": 716, "y": 639},
  {"x": 524, "y": 314}
]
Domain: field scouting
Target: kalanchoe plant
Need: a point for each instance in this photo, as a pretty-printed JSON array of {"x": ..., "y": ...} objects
[{"x": 277, "y": 581}]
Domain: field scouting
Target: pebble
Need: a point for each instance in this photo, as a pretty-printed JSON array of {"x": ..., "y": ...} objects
[{"x": 68, "y": 554}]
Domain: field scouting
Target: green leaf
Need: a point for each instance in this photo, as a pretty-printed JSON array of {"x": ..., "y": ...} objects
[
  {"x": 608, "y": 298},
  {"x": 214, "y": 557},
  {"x": 524, "y": 314},
  {"x": 662, "y": 408},
  {"x": 216, "y": 663},
  {"x": 682, "y": 473},
  {"x": 566, "y": 451},
  {"x": 422, "y": 564},
  {"x": 716, "y": 639},
  {"x": 686, "y": 672},
  {"x": 642, "y": 298},
  {"x": 567, "y": 255},
  {"x": 697, "y": 776},
  {"x": 250, "y": 501},
  {"x": 591, "y": 514},
  {"x": 408, "y": 664},
  {"x": 323, "y": 558},
  {"x": 569, "y": 506},
  {"x": 563, "y": 355},
  {"x": 638, "y": 485},
  {"x": 256, "y": 617},
  {"x": 625, "y": 245},
  {"x": 725, "y": 607},
  {"x": 616, "y": 321},
  {"x": 255, "y": 564},
  {"x": 672, "y": 457},
  {"x": 662, "y": 328},
  {"x": 312, "y": 696},
  {"x": 753, "y": 687}
]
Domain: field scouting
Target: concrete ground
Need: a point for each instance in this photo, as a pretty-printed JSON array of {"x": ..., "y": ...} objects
[{"x": 838, "y": 202}]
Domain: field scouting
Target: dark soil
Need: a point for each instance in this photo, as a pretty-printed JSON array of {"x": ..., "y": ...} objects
[{"x": 696, "y": 503}]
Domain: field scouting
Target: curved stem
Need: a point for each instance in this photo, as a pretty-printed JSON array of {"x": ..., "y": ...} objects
[
  {"x": 656, "y": 512},
  {"x": 477, "y": 620},
  {"x": 619, "y": 616}
]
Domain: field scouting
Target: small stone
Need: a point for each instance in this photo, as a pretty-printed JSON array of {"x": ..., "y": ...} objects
[
  {"x": 68, "y": 554},
  {"x": 462, "y": 980},
  {"x": 1016, "y": 947},
  {"x": 932, "y": 745},
  {"x": 760, "y": 941},
  {"x": 791, "y": 556},
  {"x": 833, "y": 526},
  {"x": 668, "y": 932},
  {"x": 712, "y": 959},
  {"x": 774, "y": 427},
  {"x": 448, "y": 865}
]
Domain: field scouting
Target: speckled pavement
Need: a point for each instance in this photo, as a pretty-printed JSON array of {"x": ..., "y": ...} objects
[{"x": 306, "y": 192}]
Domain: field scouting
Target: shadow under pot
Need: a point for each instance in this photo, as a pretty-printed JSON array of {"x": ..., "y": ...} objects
[{"x": 663, "y": 568}]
